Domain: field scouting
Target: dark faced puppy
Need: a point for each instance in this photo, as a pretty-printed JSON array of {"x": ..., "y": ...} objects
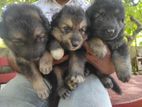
[
  {"x": 107, "y": 18},
  {"x": 107, "y": 25},
  {"x": 69, "y": 29},
  {"x": 24, "y": 30}
]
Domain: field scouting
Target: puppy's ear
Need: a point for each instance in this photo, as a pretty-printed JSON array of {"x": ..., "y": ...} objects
[
  {"x": 45, "y": 21},
  {"x": 88, "y": 20},
  {"x": 2, "y": 30},
  {"x": 88, "y": 16},
  {"x": 55, "y": 19},
  {"x": 89, "y": 12}
]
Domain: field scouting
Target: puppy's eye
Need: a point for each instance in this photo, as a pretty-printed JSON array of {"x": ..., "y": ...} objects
[
  {"x": 82, "y": 30},
  {"x": 97, "y": 15},
  {"x": 18, "y": 43},
  {"x": 67, "y": 29},
  {"x": 41, "y": 38}
]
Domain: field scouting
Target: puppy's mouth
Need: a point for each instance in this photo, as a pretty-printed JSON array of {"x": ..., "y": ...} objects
[{"x": 74, "y": 48}]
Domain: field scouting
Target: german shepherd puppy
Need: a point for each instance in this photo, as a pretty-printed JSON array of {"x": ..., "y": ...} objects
[
  {"x": 68, "y": 27},
  {"x": 107, "y": 26},
  {"x": 24, "y": 30}
]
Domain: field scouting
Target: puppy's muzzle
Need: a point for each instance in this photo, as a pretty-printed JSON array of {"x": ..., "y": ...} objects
[
  {"x": 109, "y": 31},
  {"x": 75, "y": 43}
]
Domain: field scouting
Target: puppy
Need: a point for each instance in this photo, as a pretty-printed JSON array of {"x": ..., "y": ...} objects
[
  {"x": 68, "y": 27},
  {"x": 24, "y": 30},
  {"x": 107, "y": 26}
]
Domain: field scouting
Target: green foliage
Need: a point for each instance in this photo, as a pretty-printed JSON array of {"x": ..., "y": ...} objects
[
  {"x": 135, "y": 11},
  {"x": 7, "y": 2}
]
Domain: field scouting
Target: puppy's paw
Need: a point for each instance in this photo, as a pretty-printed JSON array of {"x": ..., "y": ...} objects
[
  {"x": 123, "y": 67},
  {"x": 42, "y": 88},
  {"x": 107, "y": 82},
  {"x": 57, "y": 54},
  {"x": 100, "y": 52},
  {"x": 45, "y": 66},
  {"x": 64, "y": 92},
  {"x": 123, "y": 71},
  {"x": 73, "y": 80},
  {"x": 98, "y": 47},
  {"x": 124, "y": 76}
]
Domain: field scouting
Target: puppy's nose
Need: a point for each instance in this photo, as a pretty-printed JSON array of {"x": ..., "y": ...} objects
[
  {"x": 110, "y": 31},
  {"x": 75, "y": 43}
]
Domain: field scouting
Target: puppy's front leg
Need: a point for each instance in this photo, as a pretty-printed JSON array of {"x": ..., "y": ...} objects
[
  {"x": 46, "y": 63},
  {"x": 56, "y": 50},
  {"x": 30, "y": 71},
  {"x": 122, "y": 62},
  {"x": 76, "y": 70},
  {"x": 39, "y": 85},
  {"x": 98, "y": 47},
  {"x": 62, "y": 90}
]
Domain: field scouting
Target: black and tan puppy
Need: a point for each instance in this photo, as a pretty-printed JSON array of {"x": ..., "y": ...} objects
[
  {"x": 69, "y": 29},
  {"x": 24, "y": 30},
  {"x": 107, "y": 26}
]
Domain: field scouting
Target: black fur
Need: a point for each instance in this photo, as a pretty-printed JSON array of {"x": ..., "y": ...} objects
[{"x": 107, "y": 23}]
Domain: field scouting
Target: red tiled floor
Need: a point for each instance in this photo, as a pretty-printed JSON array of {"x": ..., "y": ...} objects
[{"x": 132, "y": 93}]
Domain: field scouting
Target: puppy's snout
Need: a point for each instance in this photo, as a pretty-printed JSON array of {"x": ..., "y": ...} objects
[
  {"x": 75, "y": 43},
  {"x": 110, "y": 31}
]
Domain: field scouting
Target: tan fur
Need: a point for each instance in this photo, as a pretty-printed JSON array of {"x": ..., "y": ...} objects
[
  {"x": 65, "y": 22},
  {"x": 38, "y": 83},
  {"x": 45, "y": 63},
  {"x": 57, "y": 54},
  {"x": 57, "y": 34},
  {"x": 98, "y": 47}
]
